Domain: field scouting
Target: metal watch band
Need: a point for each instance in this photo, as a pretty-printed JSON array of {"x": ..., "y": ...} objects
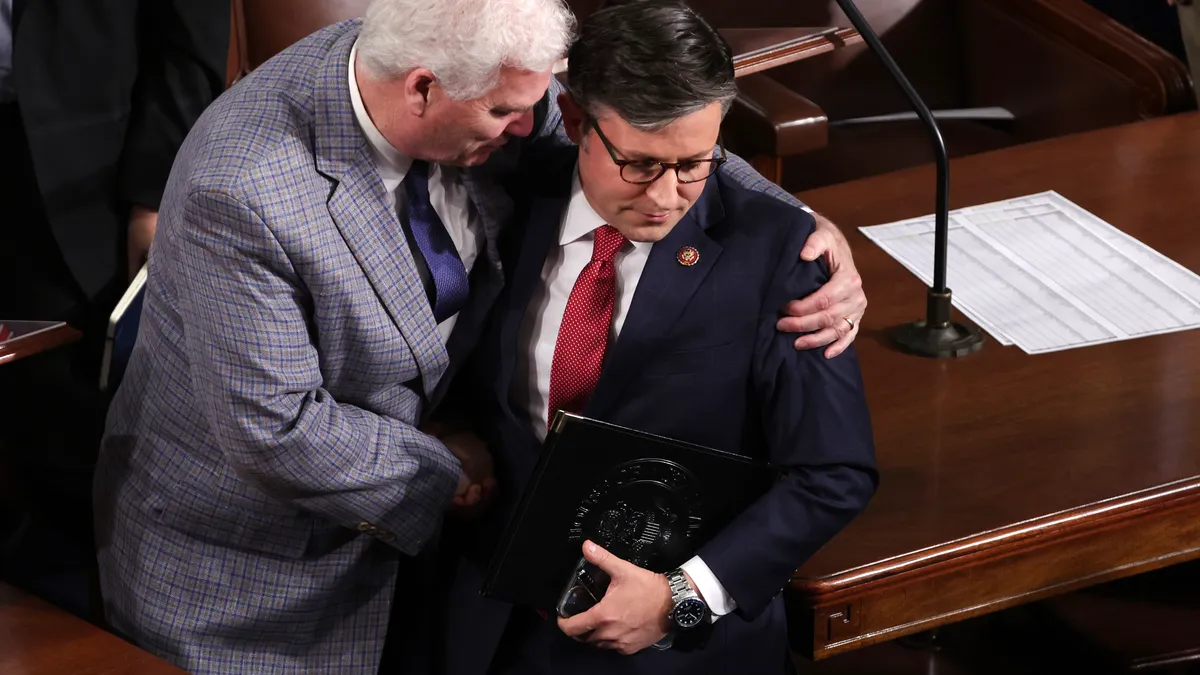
[{"x": 680, "y": 588}]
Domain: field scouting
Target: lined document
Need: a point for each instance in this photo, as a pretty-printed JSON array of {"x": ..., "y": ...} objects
[{"x": 1044, "y": 274}]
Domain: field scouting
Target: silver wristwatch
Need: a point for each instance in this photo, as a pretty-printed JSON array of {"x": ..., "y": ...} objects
[{"x": 688, "y": 608}]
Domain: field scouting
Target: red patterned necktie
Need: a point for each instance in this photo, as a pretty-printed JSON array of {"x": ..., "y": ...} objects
[{"x": 583, "y": 336}]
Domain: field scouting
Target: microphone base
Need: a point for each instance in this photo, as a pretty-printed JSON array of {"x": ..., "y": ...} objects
[
  {"x": 938, "y": 336},
  {"x": 950, "y": 341}
]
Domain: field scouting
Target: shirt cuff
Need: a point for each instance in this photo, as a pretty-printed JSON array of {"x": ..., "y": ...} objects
[
  {"x": 804, "y": 207},
  {"x": 715, "y": 596}
]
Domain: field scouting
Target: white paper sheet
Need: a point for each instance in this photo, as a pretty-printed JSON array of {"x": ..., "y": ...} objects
[{"x": 1044, "y": 274}]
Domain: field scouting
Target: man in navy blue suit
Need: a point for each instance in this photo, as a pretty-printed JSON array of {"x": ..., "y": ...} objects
[{"x": 644, "y": 290}]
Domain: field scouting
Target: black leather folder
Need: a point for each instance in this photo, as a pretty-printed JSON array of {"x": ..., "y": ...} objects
[{"x": 651, "y": 500}]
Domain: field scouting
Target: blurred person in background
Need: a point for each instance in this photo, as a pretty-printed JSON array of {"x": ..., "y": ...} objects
[{"x": 95, "y": 99}]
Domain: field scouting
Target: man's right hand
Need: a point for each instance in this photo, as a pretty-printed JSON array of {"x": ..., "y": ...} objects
[{"x": 476, "y": 482}]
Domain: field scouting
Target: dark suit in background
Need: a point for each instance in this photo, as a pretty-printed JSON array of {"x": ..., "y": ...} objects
[
  {"x": 698, "y": 359},
  {"x": 105, "y": 92}
]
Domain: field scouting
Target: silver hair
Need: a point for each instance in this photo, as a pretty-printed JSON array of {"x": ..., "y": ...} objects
[{"x": 464, "y": 42}]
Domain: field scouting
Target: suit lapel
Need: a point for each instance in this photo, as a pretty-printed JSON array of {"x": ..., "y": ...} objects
[
  {"x": 664, "y": 291},
  {"x": 359, "y": 207},
  {"x": 541, "y": 235},
  {"x": 493, "y": 207},
  {"x": 492, "y": 204}
]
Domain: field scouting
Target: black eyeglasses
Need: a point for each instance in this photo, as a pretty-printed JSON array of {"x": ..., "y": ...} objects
[{"x": 646, "y": 171}]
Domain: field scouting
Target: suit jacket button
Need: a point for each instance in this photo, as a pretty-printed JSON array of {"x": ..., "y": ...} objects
[{"x": 365, "y": 527}]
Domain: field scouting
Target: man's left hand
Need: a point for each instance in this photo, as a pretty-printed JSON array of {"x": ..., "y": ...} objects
[
  {"x": 632, "y": 615},
  {"x": 832, "y": 314}
]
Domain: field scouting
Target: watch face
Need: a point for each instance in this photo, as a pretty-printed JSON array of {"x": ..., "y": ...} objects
[{"x": 689, "y": 613}]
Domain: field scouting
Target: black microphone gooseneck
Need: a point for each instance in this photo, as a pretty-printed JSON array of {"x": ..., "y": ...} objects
[{"x": 936, "y": 336}]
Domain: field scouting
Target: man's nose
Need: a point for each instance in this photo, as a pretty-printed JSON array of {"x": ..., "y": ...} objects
[
  {"x": 664, "y": 191},
  {"x": 522, "y": 126}
]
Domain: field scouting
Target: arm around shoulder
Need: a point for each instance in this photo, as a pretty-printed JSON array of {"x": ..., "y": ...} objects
[{"x": 815, "y": 423}]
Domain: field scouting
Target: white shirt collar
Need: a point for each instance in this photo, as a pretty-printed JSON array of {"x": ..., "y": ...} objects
[
  {"x": 581, "y": 219},
  {"x": 384, "y": 151}
]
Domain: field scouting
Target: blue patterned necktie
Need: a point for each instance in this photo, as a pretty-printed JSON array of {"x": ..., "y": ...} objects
[{"x": 450, "y": 283}]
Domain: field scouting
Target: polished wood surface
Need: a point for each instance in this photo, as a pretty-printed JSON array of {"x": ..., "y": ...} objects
[
  {"x": 37, "y": 638},
  {"x": 1008, "y": 477},
  {"x": 768, "y": 122},
  {"x": 261, "y": 29},
  {"x": 36, "y": 344},
  {"x": 759, "y": 49},
  {"x": 1162, "y": 81},
  {"x": 1060, "y": 66}
]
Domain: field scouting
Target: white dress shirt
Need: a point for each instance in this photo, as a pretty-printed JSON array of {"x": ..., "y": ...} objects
[
  {"x": 543, "y": 318},
  {"x": 447, "y": 193}
]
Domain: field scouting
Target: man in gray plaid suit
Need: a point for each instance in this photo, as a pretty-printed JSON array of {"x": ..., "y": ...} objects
[{"x": 325, "y": 258}]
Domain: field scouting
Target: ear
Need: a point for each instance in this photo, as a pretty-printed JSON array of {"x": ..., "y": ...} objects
[
  {"x": 572, "y": 117},
  {"x": 419, "y": 90}
]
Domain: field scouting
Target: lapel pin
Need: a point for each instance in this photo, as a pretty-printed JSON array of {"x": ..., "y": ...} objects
[{"x": 688, "y": 256}]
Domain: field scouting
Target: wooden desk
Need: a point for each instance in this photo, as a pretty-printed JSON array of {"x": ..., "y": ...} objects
[
  {"x": 759, "y": 49},
  {"x": 37, "y": 638},
  {"x": 36, "y": 344},
  {"x": 1006, "y": 477}
]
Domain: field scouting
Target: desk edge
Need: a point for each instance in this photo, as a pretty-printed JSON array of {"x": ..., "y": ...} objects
[
  {"x": 36, "y": 344},
  {"x": 794, "y": 50},
  {"x": 999, "y": 542}
]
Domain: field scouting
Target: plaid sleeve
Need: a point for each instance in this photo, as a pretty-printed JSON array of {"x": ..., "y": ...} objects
[
  {"x": 740, "y": 172},
  {"x": 257, "y": 378}
]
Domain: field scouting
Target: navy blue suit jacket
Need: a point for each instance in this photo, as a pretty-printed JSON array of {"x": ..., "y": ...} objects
[{"x": 698, "y": 359}]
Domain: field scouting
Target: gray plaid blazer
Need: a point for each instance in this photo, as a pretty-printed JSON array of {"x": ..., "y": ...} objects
[{"x": 262, "y": 485}]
